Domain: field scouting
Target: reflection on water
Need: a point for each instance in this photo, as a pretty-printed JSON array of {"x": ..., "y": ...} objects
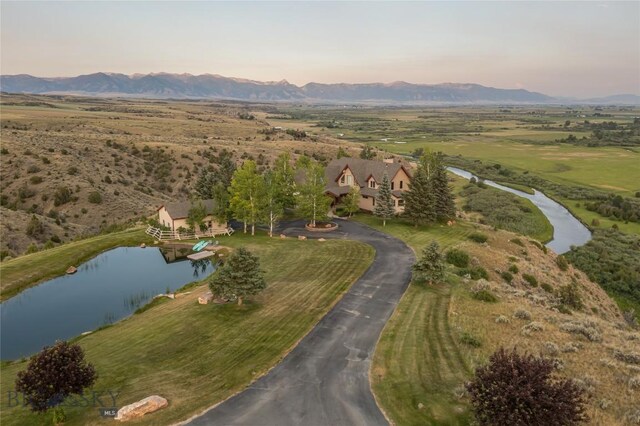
[
  {"x": 105, "y": 289},
  {"x": 567, "y": 230}
]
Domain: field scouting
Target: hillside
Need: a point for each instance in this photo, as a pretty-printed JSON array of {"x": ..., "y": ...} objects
[
  {"x": 164, "y": 85},
  {"x": 79, "y": 165}
]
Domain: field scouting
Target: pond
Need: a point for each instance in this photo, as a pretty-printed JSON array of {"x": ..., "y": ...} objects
[
  {"x": 567, "y": 230},
  {"x": 105, "y": 289}
]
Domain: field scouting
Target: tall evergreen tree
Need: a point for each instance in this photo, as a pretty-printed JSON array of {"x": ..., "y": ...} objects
[
  {"x": 284, "y": 180},
  {"x": 418, "y": 199},
  {"x": 430, "y": 267},
  {"x": 271, "y": 209},
  {"x": 240, "y": 276},
  {"x": 385, "y": 205},
  {"x": 313, "y": 203},
  {"x": 443, "y": 197},
  {"x": 246, "y": 189}
]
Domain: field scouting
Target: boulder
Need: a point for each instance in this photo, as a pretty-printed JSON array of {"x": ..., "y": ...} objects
[
  {"x": 143, "y": 245},
  {"x": 321, "y": 239},
  {"x": 282, "y": 236},
  {"x": 302, "y": 237},
  {"x": 140, "y": 408},
  {"x": 206, "y": 298},
  {"x": 72, "y": 270}
]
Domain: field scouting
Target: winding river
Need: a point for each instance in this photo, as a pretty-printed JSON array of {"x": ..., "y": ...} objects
[{"x": 567, "y": 230}]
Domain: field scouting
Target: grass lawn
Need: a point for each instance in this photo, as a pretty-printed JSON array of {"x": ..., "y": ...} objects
[
  {"x": 417, "y": 360},
  {"x": 197, "y": 355},
  {"x": 24, "y": 271}
]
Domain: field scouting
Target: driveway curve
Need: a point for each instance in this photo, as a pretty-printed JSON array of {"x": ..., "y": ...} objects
[{"x": 324, "y": 380}]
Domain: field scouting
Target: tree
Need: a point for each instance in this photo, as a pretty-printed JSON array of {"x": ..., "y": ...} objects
[
  {"x": 351, "y": 201},
  {"x": 313, "y": 203},
  {"x": 520, "y": 390},
  {"x": 430, "y": 267},
  {"x": 196, "y": 215},
  {"x": 342, "y": 153},
  {"x": 35, "y": 228},
  {"x": 419, "y": 204},
  {"x": 246, "y": 189},
  {"x": 443, "y": 197},
  {"x": 239, "y": 277},
  {"x": 367, "y": 153},
  {"x": 271, "y": 209},
  {"x": 284, "y": 180},
  {"x": 53, "y": 374},
  {"x": 221, "y": 211},
  {"x": 208, "y": 179},
  {"x": 205, "y": 184},
  {"x": 385, "y": 206}
]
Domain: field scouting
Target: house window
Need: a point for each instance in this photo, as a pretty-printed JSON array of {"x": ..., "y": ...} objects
[
  {"x": 373, "y": 201},
  {"x": 400, "y": 202},
  {"x": 392, "y": 186},
  {"x": 342, "y": 179},
  {"x": 372, "y": 183},
  {"x": 349, "y": 180},
  {"x": 400, "y": 184}
]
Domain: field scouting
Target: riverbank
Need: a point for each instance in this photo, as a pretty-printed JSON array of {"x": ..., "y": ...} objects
[{"x": 31, "y": 269}]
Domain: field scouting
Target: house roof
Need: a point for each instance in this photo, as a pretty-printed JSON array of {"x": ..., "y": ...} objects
[
  {"x": 362, "y": 170},
  {"x": 180, "y": 209}
]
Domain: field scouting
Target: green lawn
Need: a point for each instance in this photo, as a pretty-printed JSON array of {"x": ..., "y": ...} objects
[
  {"x": 197, "y": 355},
  {"x": 24, "y": 271},
  {"x": 417, "y": 360}
]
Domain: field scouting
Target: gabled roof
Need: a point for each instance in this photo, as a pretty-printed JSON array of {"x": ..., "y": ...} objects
[
  {"x": 362, "y": 169},
  {"x": 180, "y": 209}
]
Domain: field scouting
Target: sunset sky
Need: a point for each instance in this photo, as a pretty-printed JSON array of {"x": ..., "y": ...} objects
[{"x": 580, "y": 49}]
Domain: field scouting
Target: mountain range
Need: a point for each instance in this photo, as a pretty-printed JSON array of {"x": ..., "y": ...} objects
[{"x": 210, "y": 86}]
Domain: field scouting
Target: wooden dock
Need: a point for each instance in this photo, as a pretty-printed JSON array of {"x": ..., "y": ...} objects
[{"x": 201, "y": 255}]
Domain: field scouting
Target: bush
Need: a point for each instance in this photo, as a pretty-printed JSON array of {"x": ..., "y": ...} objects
[
  {"x": 513, "y": 269},
  {"x": 562, "y": 263},
  {"x": 475, "y": 273},
  {"x": 73, "y": 170},
  {"x": 35, "y": 180},
  {"x": 95, "y": 197},
  {"x": 569, "y": 295},
  {"x": 547, "y": 287},
  {"x": 507, "y": 276},
  {"x": 533, "y": 282},
  {"x": 516, "y": 389},
  {"x": 458, "y": 258},
  {"x": 61, "y": 196},
  {"x": 517, "y": 241},
  {"x": 478, "y": 237},
  {"x": 470, "y": 340},
  {"x": 485, "y": 296},
  {"x": 522, "y": 314},
  {"x": 35, "y": 228}
]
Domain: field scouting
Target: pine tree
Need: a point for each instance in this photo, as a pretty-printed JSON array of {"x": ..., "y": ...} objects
[
  {"x": 385, "y": 206},
  {"x": 313, "y": 203},
  {"x": 430, "y": 267},
  {"x": 246, "y": 189},
  {"x": 443, "y": 197},
  {"x": 367, "y": 153},
  {"x": 351, "y": 202},
  {"x": 418, "y": 200},
  {"x": 239, "y": 277}
]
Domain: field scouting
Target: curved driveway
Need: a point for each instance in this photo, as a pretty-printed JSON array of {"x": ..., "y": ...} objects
[{"x": 324, "y": 380}]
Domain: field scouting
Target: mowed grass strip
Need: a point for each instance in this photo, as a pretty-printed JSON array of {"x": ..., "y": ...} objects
[
  {"x": 197, "y": 355},
  {"x": 24, "y": 271}
]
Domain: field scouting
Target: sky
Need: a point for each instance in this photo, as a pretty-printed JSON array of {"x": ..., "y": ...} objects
[{"x": 574, "y": 49}]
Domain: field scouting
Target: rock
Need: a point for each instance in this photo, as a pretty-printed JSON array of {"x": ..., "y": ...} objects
[
  {"x": 206, "y": 298},
  {"x": 420, "y": 406},
  {"x": 72, "y": 270},
  {"x": 143, "y": 245},
  {"x": 282, "y": 236},
  {"x": 321, "y": 240},
  {"x": 302, "y": 237},
  {"x": 140, "y": 408}
]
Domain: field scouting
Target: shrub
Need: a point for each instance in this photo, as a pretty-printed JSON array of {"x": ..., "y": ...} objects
[
  {"x": 73, "y": 170},
  {"x": 34, "y": 180},
  {"x": 478, "y": 237},
  {"x": 585, "y": 328},
  {"x": 33, "y": 248},
  {"x": 475, "y": 273},
  {"x": 507, "y": 276},
  {"x": 547, "y": 287},
  {"x": 33, "y": 169},
  {"x": 61, "y": 196},
  {"x": 430, "y": 267},
  {"x": 470, "y": 340},
  {"x": 532, "y": 327},
  {"x": 569, "y": 295},
  {"x": 95, "y": 197},
  {"x": 35, "y": 228},
  {"x": 595, "y": 222},
  {"x": 562, "y": 263},
  {"x": 458, "y": 258},
  {"x": 517, "y": 241},
  {"x": 533, "y": 282},
  {"x": 513, "y": 269},
  {"x": 501, "y": 319},
  {"x": 516, "y": 389},
  {"x": 522, "y": 314},
  {"x": 485, "y": 296}
]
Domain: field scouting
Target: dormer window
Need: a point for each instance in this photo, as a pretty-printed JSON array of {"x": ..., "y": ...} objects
[
  {"x": 372, "y": 183},
  {"x": 342, "y": 179}
]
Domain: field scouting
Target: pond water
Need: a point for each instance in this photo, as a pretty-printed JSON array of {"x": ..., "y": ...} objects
[
  {"x": 105, "y": 289},
  {"x": 567, "y": 230}
]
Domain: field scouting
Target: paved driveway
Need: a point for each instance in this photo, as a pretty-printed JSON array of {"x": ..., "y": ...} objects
[{"x": 325, "y": 379}]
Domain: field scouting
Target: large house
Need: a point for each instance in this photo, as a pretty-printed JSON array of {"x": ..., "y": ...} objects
[
  {"x": 343, "y": 173},
  {"x": 174, "y": 216}
]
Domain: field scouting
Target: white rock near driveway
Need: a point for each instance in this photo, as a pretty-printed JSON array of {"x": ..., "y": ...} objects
[{"x": 140, "y": 408}]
